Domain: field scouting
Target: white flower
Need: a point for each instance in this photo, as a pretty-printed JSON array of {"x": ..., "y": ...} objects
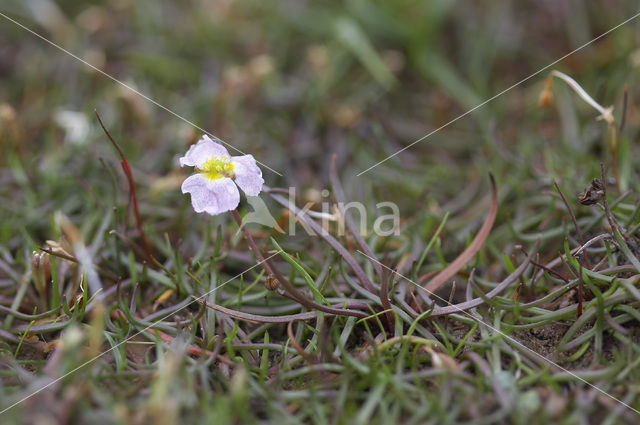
[
  {"x": 75, "y": 125},
  {"x": 212, "y": 188}
]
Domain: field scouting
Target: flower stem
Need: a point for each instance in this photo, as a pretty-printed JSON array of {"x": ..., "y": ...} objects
[{"x": 251, "y": 242}]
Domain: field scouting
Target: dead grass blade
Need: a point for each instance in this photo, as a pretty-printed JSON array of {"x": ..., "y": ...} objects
[{"x": 466, "y": 256}]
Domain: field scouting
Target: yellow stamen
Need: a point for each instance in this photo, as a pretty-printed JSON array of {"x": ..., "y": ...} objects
[{"x": 217, "y": 167}]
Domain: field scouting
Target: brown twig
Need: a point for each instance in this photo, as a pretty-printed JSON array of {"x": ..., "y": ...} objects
[
  {"x": 287, "y": 286},
  {"x": 100, "y": 270},
  {"x": 308, "y": 302},
  {"x": 298, "y": 347},
  {"x": 338, "y": 192},
  {"x": 510, "y": 280},
  {"x": 458, "y": 308},
  {"x": 575, "y": 223},
  {"x": 258, "y": 318},
  {"x": 346, "y": 255},
  {"x": 452, "y": 294},
  {"x": 192, "y": 349},
  {"x": 546, "y": 268},
  {"x": 384, "y": 297},
  {"x": 130, "y": 243},
  {"x": 607, "y": 210}
]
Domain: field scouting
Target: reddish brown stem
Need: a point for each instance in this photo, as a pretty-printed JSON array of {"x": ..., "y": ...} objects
[{"x": 132, "y": 189}]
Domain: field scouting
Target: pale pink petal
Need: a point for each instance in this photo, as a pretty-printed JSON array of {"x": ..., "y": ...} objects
[
  {"x": 211, "y": 196},
  {"x": 205, "y": 149},
  {"x": 248, "y": 174}
]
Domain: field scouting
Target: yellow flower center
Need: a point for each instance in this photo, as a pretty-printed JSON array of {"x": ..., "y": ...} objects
[{"x": 217, "y": 167}]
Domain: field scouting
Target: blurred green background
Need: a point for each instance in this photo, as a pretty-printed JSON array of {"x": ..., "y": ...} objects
[{"x": 294, "y": 82}]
